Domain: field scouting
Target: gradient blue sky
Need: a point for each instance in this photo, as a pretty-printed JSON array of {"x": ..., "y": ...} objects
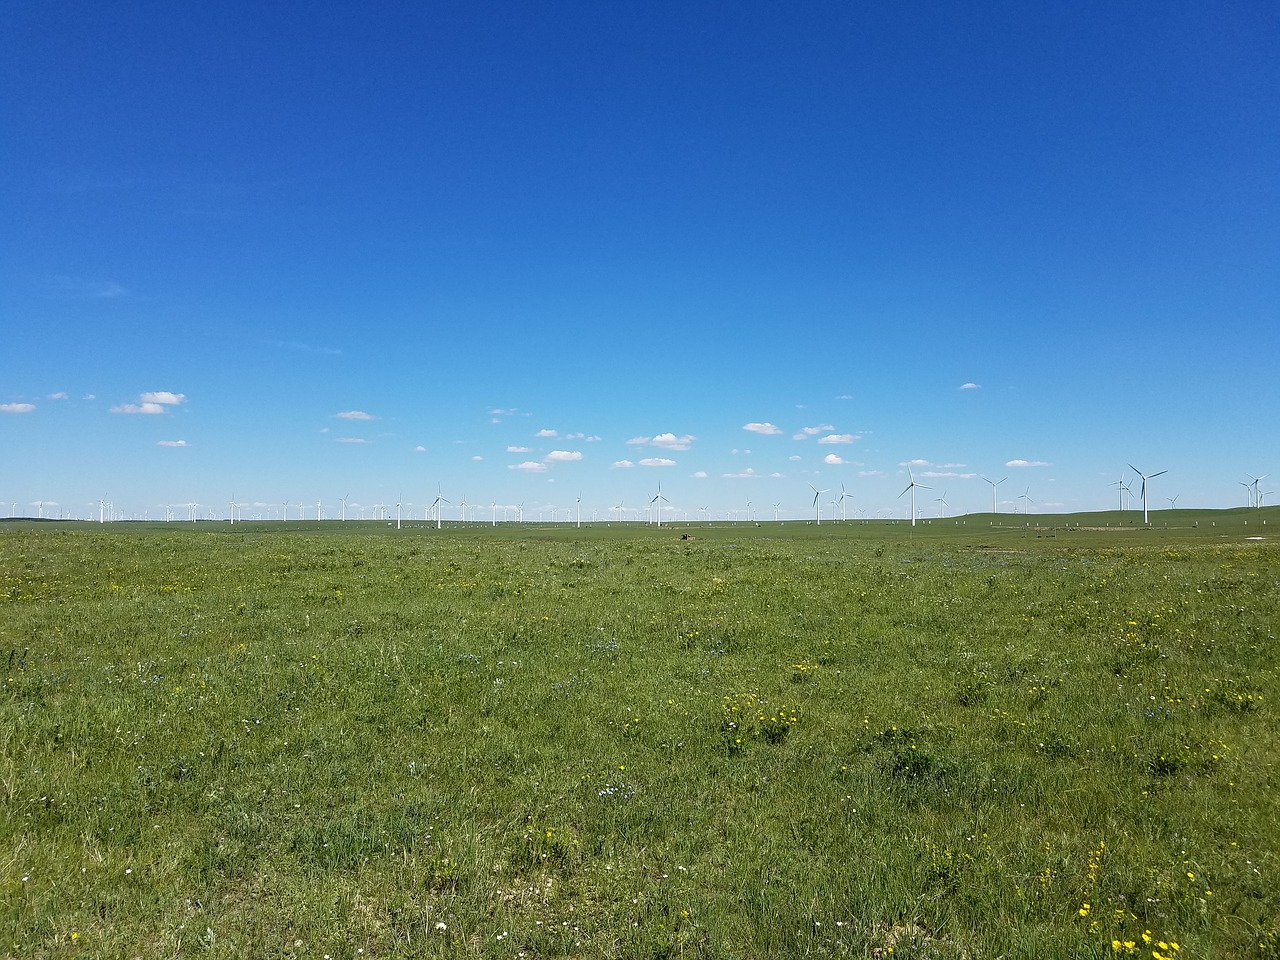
[{"x": 534, "y": 251}]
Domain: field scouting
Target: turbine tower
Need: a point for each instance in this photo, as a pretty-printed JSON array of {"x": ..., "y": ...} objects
[
  {"x": 1145, "y": 478},
  {"x": 912, "y": 486},
  {"x": 657, "y": 501},
  {"x": 844, "y": 495},
  {"x": 435, "y": 506},
  {"x": 817, "y": 505},
  {"x": 994, "y": 484}
]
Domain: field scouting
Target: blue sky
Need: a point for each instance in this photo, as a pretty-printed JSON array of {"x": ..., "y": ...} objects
[{"x": 531, "y": 252}]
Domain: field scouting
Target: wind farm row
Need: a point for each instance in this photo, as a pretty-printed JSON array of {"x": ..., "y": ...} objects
[{"x": 824, "y": 505}]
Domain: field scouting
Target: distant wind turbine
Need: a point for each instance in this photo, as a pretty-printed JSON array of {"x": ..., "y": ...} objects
[
  {"x": 994, "y": 484},
  {"x": 1145, "y": 479},
  {"x": 1173, "y": 501},
  {"x": 817, "y": 505},
  {"x": 844, "y": 495},
  {"x": 912, "y": 486},
  {"x": 942, "y": 504},
  {"x": 776, "y": 507},
  {"x": 435, "y": 506},
  {"x": 657, "y": 502},
  {"x": 1026, "y": 501},
  {"x": 344, "y": 507}
]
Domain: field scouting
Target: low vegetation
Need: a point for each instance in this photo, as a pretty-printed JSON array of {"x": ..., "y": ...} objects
[{"x": 858, "y": 740}]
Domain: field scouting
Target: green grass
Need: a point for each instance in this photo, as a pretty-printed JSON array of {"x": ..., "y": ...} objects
[{"x": 962, "y": 740}]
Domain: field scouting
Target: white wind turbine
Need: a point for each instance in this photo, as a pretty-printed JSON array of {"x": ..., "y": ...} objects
[
  {"x": 435, "y": 506},
  {"x": 398, "y": 502},
  {"x": 1173, "y": 501},
  {"x": 994, "y": 484},
  {"x": 577, "y": 506},
  {"x": 618, "y": 507},
  {"x": 1145, "y": 479},
  {"x": 344, "y": 507},
  {"x": 284, "y": 514},
  {"x": 776, "y": 507},
  {"x": 817, "y": 506},
  {"x": 942, "y": 504},
  {"x": 913, "y": 486},
  {"x": 748, "y": 511},
  {"x": 844, "y": 495},
  {"x": 1257, "y": 497},
  {"x": 657, "y": 502},
  {"x": 494, "y": 519},
  {"x": 1248, "y": 491},
  {"x": 1026, "y": 501}
]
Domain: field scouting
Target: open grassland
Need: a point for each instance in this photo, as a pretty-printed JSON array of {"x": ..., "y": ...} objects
[{"x": 777, "y": 741}]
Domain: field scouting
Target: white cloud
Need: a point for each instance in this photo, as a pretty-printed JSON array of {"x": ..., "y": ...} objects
[
  {"x": 144, "y": 408},
  {"x": 946, "y": 475},
  {"x": 796, "y": 457},
  {"x": 667, "y": 441},
  {"x": 60, "y": 395},
  {"x": 171, "y": 443},
  {"x": 747, "y": 474},
  {"x": 593, "y": 439},
  {"x": 832, "y": 459},
  {"x": 562, "y": 456},
  {"x": 970, "y": 386},
  {"x": 163, "y": 397},
  {"x": 500, "y": 412},
  {"x": 657, "y": 462},
  {"x": 546, "y": 433},
  {"x": 529, "y": 466},
  {"x": 845, "y": 396},
  {"x": 355, "y": 415},
  {"x": 839, "y": 438},
  {"x": 1027, "y": 463},
  {"x": 871, "y": 473},
  {"x": 351, "y": 440},
  {"x": 622, "y": 464},
  {"x": 700, "y": 474},
  {"x": 806, "y": 432},
  {"x": 762, "y": 428},
  {"x": 519, "y": 449},
  {"x": 915, "y": 463},
  {"x": 419, "y": 449},
  {"x": 17, "y": 407},
  {"x": 477, "y": 458}
]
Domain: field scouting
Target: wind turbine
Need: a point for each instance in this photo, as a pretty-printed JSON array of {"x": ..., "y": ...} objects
[
  {"x": 1257, "y": 497},
  {"x": 912, "y": 487},
  {"x": 994, "y": 484},
  {"x": 285, "y": 512},
  {"x": 435, "y": 505},
  {"x": 844, "y": 495},
  {"x": 1173, "y": 501},
  {"x": 344, "y": 507},
  {"x": 657, "y": 502},
  {"x": 776, "y": 507},
  {"x": 942, "y": 504},
  {"x": 1145, "y": 478},
  {"x": 398, "y": 501},
  {"x": 618, "y": 507},
  {"x": 817, "y": 506},
  {"x": 577, "y": 505},
  {"x": 1026, "y": 501},
  {"x": 748, "y": 511}
]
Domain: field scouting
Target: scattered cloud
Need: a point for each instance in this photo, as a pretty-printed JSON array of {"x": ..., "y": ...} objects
[
  {"x": 1027, "y": 463},
  {"x": 477, "y": 458},
  {"x": 171, "y": 443},
  {"x": 163, "y": 397},
  {"x": 352, "y": 440},
  {"x": 519, "y": 449},
  {"x": 667, "y": 441},
  {"x": 747, "y": 474},
  {"x": 833, "y": 459},
  {"x": 502, "y": 412},
  {"x": 547, "y": 434},
  {"x": 623, "y": 464},
  {"x": 872, "y": 473},
  {"x": 60, "y": 395},
  {"x": 151, "y": 403},
  {"x": 806, "y": 432},
  {"x": 143, "y": 408},
  {"x": 767, "y": 429},
  {"x": 947, "y": 475},
  {"x": 355, "y": 415},
  {"x": 593, "y": 439},
  {"x": 700, "y": 474},
  {"x": 562, "y": 456},
  {"x": 529, "y": 466},
  {"x": 657, "y": 462},
  {"x": 17, "y": 407},
  {"x": 419, "y": 449},
  {"x": 845, "y": 396},
  {"x": 794, "y": 458},
  {"x": 970, "y": 386},
  {"x": 839, "y": 438}
]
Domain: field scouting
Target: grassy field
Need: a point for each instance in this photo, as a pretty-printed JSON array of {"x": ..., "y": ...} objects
[{"x": 963, "y": 740}]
